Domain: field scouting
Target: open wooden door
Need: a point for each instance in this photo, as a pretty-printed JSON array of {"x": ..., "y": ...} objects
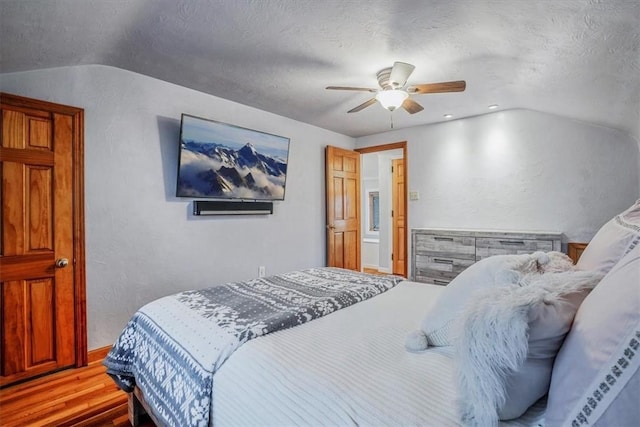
[
  {"x": 399, "y": 220},
  {"x": 343, "y": 208},
  {"x": 42, "y": 293}
]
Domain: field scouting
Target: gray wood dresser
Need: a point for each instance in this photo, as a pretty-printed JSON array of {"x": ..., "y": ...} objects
[{"x": 439, "y": 255}]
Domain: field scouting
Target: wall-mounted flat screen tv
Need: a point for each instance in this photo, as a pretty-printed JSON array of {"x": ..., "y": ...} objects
[{"x": 223, "y": 161}]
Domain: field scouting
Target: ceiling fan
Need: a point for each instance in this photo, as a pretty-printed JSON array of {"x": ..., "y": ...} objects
[{"x": 394, "y": 92}]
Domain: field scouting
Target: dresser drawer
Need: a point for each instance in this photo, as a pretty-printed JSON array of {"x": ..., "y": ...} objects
[
  {"x": 489, "y": 246},
  {"x": 460, "y": 247},
  {"x": 439, "y": 267},
  {"x": 433, "y": 280}
]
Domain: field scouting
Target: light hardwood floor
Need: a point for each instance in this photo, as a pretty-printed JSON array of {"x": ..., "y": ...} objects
[
  {"x": 74, "y": 397},
  {"x": 373, "y": 271}
]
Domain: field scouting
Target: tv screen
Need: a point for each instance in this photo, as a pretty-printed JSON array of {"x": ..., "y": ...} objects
[{"x": 223, "y": 161}]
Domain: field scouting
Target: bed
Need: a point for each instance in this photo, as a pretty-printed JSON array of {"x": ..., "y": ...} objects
[{"x": 355, "y": 365}]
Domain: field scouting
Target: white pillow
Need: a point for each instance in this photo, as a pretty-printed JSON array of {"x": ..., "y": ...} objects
[
  {"x": 507, "y": 339},
  {"x": 486, "y": 273},
  {"x": 615, "y": 239},
  {"x": 596, "y": 376}
]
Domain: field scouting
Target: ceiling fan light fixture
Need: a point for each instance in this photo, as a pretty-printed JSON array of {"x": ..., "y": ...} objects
[
  {"x": 392, "y": 98},
  {"x": 394, "y": 91}
]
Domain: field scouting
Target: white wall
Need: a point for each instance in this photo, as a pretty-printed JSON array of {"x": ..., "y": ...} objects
[
  {"x": 638, "y": 141},
  {"x": 517, "y": 170},
  {"x": 386, "y": 206},
  {"x": 141, "y": 241},
  {"x": 369, "y": 182},
  {"x": 370, "y": 253}
]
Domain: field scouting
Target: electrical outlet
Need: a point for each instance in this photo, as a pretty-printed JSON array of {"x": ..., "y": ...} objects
[{"x": 262, "y": 271}]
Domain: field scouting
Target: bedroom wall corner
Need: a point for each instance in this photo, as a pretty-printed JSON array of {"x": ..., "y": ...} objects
[{"x": 141, "y": 241}]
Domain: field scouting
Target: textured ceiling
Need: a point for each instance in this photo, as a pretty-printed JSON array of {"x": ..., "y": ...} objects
[{"x": 576, "y": 58}]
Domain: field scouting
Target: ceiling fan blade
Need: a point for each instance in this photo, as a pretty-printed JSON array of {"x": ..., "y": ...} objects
[
  {"x": 412, "y": 106},
  {"x": 400, "y": 73},
  {"x": 457, "y": 86},
  {"x": 362, "y": 106},
  {"x": 364, "y": 89}
]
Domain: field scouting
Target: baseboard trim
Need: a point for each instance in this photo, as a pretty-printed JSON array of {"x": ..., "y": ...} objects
[{"x": 98, "y": 354}]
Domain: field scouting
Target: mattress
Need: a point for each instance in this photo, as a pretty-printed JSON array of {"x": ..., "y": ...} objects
[{"x": 347, "y": 368}]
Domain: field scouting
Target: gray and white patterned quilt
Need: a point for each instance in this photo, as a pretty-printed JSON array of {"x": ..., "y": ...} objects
[{"x": 172, "y": 347}]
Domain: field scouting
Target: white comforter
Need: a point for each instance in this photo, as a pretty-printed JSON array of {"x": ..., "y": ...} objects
[{"x": 348, "y": 368}]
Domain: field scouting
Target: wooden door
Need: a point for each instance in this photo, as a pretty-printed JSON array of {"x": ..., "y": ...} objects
[
  {"x": 399, "y": 219},
  {"x": 343, "y": 208},
  {"x": 42, "y": 256}
]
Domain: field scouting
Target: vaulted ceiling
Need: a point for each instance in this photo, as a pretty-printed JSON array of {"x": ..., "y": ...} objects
[{"x": 575, "y": 58}]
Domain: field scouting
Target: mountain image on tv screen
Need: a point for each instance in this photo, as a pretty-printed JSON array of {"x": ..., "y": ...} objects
[{"x": 219, "y": 160}]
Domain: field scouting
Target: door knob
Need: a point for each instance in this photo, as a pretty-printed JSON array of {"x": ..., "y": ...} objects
[
  {"x": 331, "y": 227},
  {"x": 62, "y": 262}
]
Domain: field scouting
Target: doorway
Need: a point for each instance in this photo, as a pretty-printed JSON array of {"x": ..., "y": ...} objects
[{"x": 383, "y": 207}]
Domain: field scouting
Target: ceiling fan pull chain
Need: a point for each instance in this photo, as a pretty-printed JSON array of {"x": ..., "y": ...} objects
[{"x": 391, "y": 116}]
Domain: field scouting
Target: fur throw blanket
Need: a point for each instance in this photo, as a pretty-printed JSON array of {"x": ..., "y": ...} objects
[{"x": 436, "y": 328}]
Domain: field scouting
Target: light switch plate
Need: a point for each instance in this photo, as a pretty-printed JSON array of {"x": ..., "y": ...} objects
[{"x": 414, "y": 195}]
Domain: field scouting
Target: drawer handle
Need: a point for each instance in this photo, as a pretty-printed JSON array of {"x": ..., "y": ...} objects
[
  {"x": 440, "y": 282},
  {"x": 442, "y": 261},
  {"x": 512, "y": 242},
  {"x": 443, "y": 239}
]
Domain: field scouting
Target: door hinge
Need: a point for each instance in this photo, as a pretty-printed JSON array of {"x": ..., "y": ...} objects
[
  {"x": 391, "y": 257},
  {"x": 391, "y": 169},
  {"x": 392, "y": 214}
]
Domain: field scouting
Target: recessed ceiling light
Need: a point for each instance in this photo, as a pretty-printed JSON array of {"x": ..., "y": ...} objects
[
  {"x": 493, "y": 106},
  {"x": 448, "y": 116}
]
